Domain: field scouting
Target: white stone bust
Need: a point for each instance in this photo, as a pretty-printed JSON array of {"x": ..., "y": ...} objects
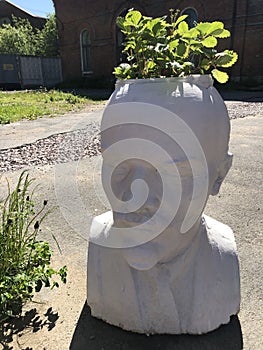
[{"x": 145, "y": 273}]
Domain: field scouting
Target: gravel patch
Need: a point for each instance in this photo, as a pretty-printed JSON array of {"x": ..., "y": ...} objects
[
  {"x": 60, "y": 148},
  {"x": 72, "y": 146},
  {"x": 237, "y": 109}
]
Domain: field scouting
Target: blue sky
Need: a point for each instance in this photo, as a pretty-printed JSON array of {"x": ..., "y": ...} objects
[{"x": 36, "y": 7}]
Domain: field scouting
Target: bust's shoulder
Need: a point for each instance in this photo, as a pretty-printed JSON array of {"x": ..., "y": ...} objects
[
  {"x": 219, "y": 234},
  {"x": 100, "y": 225},
  {"x": 214, "y": 225}
]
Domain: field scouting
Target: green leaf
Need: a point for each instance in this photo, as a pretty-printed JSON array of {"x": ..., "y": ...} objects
[
  {"x": 226, "y": 58},
  {"x": 214, "y": 26},
  {"x": 180, "y": 19},
  {"x": 173, "y": 44},
  {"x": 156, "y": 25},
  {"x": 183, "y": 27},
  {"x": 122, "y": 70},
  {"x": 203, "y": 27},
  {"x": 134, "y": 17},
  {"x": 209, "y": 53},
  {"x": 224, "y": 34},
  {"x": 210, "y": 41},
  {"x": 192, "y": 33},
  {"x": 156, "y": 46},
  {"x": 157, "y": 28},
  {"x": 205, "y": 64},
  {"x": 181, "y": 49},
  {"x": 188, "y": 67},
  {"x": 216, "y": 32},
  {"x": 150, "y": 65},
  {"x": 120, "y": 22},
  {"x": 220, "y": 76}
]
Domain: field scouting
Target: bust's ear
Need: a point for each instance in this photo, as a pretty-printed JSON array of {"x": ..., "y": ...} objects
[{"x": 221, "y": 173}]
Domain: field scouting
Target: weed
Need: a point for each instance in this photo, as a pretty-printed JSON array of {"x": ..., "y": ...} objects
[{"x": 24, "y": 260}]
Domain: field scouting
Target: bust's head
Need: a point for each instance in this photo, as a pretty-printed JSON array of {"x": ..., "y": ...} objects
[{"x": 152, "y": 161}]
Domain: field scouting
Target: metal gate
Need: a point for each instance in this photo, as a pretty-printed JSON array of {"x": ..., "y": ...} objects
[
  {"x": 29, "y": 71},
  {"x": 51, "y": 70},
  {"x": 9, "y": 70}
]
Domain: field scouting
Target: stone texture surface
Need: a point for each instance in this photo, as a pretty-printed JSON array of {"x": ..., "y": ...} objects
[{"x": 175, "y": 272}]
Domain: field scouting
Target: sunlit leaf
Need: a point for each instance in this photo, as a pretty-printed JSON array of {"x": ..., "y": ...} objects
[
  {"x": 134, "y": 17},
  {"x": 203, "y": 27},
  {"x": 151, "y": 64},
  {"x": 210, "y": 41},
  {"x": 226, "y": 58},
  {"x": 192, "y": 33},
  {"x": 182, "y": 27},
  {"x": 214, "y": 26},
  {"x": 180, "y": 19},
  {"x": 221, "y": 77},
  {"x": 173, "y": 44},
  {"x": 224, "y": 34}
]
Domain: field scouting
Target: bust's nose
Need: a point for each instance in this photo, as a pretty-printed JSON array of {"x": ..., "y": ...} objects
[{"x": 147, "y": 180}]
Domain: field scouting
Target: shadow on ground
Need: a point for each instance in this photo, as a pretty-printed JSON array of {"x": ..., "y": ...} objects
[
  {"x": 31, "y": 321},
  {"x": 94, "y": 334},
  {"x": 241, "y": 95}
]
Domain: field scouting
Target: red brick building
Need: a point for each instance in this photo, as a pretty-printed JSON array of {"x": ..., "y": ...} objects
[
  {"x": 90, "y": 41},
  {"x": 7, "y": 9}
]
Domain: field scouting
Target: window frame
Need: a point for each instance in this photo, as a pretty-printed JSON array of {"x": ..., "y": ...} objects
[{"x": 85, "y": 49}]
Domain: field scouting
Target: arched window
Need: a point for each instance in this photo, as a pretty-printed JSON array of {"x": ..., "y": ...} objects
[
  {"x": 192, "y": 16},
  {"x": 85, "y": 44}
]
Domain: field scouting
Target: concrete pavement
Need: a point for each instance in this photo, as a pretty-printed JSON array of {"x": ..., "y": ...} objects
[{"x": 29, "y": 131}]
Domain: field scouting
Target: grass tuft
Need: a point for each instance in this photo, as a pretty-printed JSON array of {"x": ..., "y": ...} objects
[{"x": 33, "y": 104}]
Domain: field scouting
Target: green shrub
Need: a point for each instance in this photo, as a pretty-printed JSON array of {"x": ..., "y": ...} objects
[
  {"x": 157, "y": 47},
  {"x": 24, "y": 260}
]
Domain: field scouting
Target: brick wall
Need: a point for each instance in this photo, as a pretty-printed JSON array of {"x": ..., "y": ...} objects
[{"x": 244, "y": 18}]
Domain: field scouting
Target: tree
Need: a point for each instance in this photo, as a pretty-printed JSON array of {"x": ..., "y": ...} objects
[
  {"x": 17, "y": 38},
  {"x": 22, "y": 39},
  {"x": 47, "y": 38}
]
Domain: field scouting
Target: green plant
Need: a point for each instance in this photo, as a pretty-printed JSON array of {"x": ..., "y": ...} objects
[
  {"x": 156, "y": 47},
  {"x": 24, "y": 260},
  {"x": 47, "y": 38},
  {"x": 21, "y": 38},
  {"x": 17, "y": 38},
  {"x": 33, "y": 104}
]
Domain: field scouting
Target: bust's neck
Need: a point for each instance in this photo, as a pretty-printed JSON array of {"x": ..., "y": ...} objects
[
  {"x": 174, "y": 244},
  {"x": 164, "y": 248}
]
